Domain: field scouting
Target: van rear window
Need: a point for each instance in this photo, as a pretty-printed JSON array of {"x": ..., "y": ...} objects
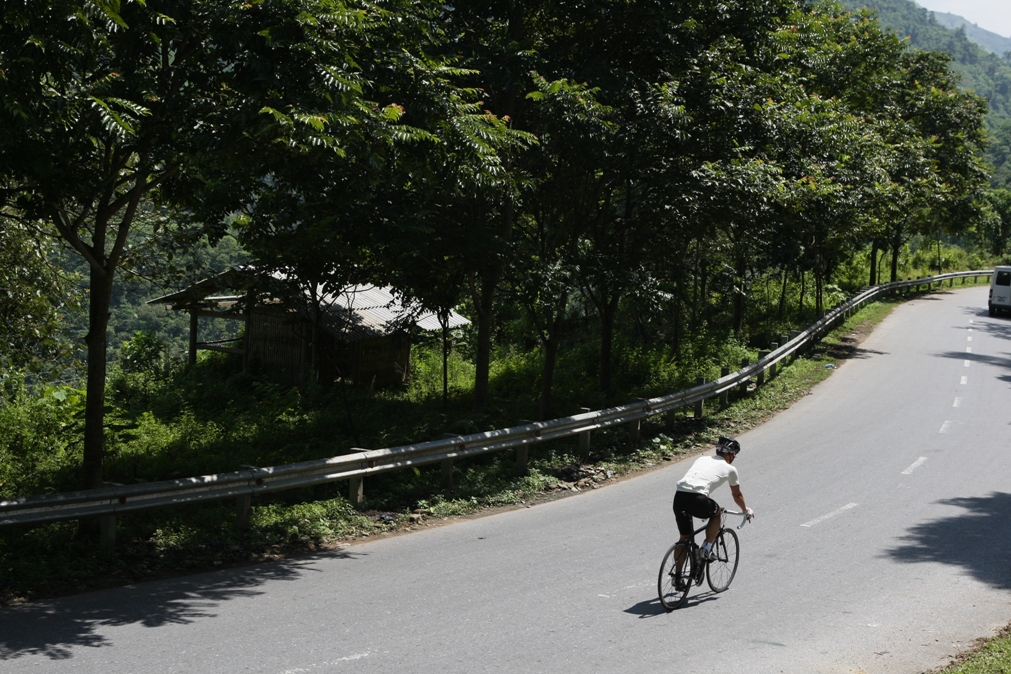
[{"x": 1003, "y": 278}]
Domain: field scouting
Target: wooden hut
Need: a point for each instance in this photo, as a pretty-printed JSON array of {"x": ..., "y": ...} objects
[{"x": 360, "y": 333}]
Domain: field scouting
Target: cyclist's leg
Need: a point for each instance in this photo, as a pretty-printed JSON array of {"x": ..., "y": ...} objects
[
  {"x": 682, "y": 500},
  {"x": 713, "y": 527}
]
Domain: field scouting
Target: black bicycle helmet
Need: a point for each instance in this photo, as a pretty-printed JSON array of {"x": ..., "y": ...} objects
[{"x": 727, "y": 446}]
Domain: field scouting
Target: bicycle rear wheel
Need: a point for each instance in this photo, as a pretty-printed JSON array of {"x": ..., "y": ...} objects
[
  {"x": 673, "y": 586},
  {"x": 721, "y": 570}
]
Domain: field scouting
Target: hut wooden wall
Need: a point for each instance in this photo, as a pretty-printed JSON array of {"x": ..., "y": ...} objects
[
  {"x": 382, "y": 361},
  {"x": 276, "y": 347},
  {"x": 279, "y": 349}
]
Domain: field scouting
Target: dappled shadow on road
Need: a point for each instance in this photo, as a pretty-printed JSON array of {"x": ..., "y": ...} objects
[
  {"x": 978, "y": 540},
  {"x": 992, "y": 327},
  {"x": 54, "y": 629},
  {"x": 1003, "y": 360},
  {"x": 847, "y": 349}
]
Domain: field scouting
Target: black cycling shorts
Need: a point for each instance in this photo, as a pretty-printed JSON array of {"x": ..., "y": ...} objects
[{"x": 688, "y": 505}]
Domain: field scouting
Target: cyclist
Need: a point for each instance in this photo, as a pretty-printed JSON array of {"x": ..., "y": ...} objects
[{"x": 692, "y": 497}]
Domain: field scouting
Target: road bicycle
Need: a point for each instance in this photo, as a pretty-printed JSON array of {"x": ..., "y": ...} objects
[{"x": 673, "y": 584}]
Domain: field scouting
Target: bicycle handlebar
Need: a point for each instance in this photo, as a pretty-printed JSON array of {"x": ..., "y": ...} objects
[{"x": 738, "y": 512}]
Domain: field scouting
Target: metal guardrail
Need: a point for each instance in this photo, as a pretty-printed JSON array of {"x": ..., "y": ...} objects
[{"x": 113, "y": 500}]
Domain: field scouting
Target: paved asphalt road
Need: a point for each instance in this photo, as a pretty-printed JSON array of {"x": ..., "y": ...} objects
[{"x": 881, "y": 545}]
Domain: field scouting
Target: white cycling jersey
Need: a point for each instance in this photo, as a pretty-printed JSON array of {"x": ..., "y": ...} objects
[{"x": 707, "y": 474}]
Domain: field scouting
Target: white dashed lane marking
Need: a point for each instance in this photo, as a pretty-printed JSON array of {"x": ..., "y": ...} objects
[
  {"x": 968, "y": 349},
  {"x": 945, "y": 426},
  {"x": 965, "y": 380},
  {"x": 967, "y": 363},
  {"x": 958, "y": 402},
  {"x": 831, "y": 514},
  {"x": 916, "y": 464}
]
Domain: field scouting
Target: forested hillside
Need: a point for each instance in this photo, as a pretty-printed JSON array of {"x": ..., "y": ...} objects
[
  {"x": 992, "y": 42},
  {"x": 988, "y": 74}
]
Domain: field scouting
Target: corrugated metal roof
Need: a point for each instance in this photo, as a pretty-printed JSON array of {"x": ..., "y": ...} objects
[
  {"x": 377, "y": 311},
  {"x": 357, "y": 312}
]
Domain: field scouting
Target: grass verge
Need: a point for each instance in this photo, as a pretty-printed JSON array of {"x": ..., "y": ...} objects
[
  {"x": 990, "y": 656},
  {"x": 52, "y": 560}
]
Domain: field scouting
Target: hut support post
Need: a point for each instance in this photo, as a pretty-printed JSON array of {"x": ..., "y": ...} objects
[
  {"x": 194, "y": 322},
  {"x": 247, "y": 313}
]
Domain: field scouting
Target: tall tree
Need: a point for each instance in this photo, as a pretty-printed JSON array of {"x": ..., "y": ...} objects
[{"x": 109, "y": 103}]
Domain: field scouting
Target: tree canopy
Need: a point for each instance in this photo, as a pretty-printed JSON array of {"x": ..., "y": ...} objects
[{"x": 644, "y": 161}]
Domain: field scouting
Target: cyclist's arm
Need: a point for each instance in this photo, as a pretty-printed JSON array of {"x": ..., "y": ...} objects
[{"x": 738, "y": 497}]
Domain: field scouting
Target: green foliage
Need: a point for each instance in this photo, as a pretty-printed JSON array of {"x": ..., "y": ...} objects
[
  {"x": 39, "y": 438},
  {"x": 35, "y": 298},
  {"x": 980, "y": 71}
]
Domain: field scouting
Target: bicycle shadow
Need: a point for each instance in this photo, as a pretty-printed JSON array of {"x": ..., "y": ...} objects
[
  {"x": 652, "y": 607},
  {"x": 978, "y": 540},
  {"x": 55, "y": 628}
]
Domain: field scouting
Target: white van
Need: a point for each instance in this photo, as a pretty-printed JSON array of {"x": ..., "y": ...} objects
[{"x": 1000, "y": 290}]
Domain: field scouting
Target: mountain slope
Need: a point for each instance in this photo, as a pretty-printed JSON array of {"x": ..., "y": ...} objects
[
  {"x": 981, "y": 71},
  {"x": 992, "y": 42}
]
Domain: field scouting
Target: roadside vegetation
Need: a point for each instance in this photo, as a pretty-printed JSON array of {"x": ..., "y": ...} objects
[
  {"x": 170, "y": 422},
  {"x": 992, "y": 656}
]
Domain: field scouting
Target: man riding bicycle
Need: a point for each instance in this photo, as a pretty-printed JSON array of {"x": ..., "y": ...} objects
[{"x": 692, "y": 497}]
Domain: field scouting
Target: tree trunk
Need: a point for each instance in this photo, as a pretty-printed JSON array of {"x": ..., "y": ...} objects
[
  {"x": 549, "y": 343},
  {"x": 608, "y": 312},
  {"x": 896, "y": 245},
  {"x": 444, "y": 319},
  {"x": 548, "y": 375},
  {"x": 484, "y": 305},
  {"x": 819, "y": 306},
  {"x": 782, "y": 294},
  {"x": 677, "y": 323},
  {"x": 874, "y": 263},
  {"x": 800, "y": 303},
  {"x": 738, "y": 301},
  {"x": 99, "y": 295}
]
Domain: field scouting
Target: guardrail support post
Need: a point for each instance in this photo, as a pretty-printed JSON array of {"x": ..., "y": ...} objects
[
  {"x": 107, "y": 534},
  {"x": 584, "y": 439},
  {"x": 725, "y": 396},
  {"x": 700, "y": 405},
  {"x": 356, "y": 491},
  {"x": 744, "y": 384},
  {"x": 635, "y": 426},
  {"x": 243, "y": 507},
  {"x": 761, "y": 373},
  {"x": 446, "y": 480},
  {"x": 523, "y": 452},
  {"x": 772, "y": 368},
  {"x": 672, "y": 413}
]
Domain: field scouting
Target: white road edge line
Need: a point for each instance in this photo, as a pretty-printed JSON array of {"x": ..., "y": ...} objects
[
  {"x": 958, "y": 402},
  {"x": 945, "y": 426},
  {"x": 916, "y": 464},
  {"x": 831, "y": 514}
]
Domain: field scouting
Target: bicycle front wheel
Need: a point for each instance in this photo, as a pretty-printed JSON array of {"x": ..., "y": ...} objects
[
  {"x": 721, "y": 570},
  {"x": 673, "y": 585}
]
